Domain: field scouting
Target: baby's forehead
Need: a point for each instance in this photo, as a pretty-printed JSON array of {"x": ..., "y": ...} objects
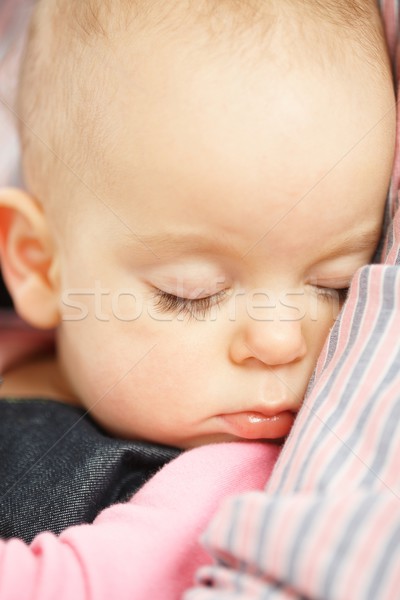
[
  {"x": 72, "y": 40},
  {"x": 74, "y": 46}
]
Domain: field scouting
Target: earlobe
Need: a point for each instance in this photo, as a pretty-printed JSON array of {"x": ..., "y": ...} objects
[{"x": 28, "y": 258}]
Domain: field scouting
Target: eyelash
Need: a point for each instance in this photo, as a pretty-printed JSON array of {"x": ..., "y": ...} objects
[
  {"x": 199, "y": 307},
  {"x": 327, "y": 294},
  {"x": 191, "y": 307}
]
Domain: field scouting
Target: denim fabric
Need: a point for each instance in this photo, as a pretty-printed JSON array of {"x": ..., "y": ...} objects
[{"x": 58, "y": 468}]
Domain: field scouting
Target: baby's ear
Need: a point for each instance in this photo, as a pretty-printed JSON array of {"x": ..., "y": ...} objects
[{"x": 28, "y": 259}]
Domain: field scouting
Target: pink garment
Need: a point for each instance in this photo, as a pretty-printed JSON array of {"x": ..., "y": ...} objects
[
  {"x": 18, "y": 341},
  {"x": 146, "y": 549}
]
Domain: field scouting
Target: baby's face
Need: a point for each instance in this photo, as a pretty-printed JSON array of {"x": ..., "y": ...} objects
[{"x": 201, "y": 274}]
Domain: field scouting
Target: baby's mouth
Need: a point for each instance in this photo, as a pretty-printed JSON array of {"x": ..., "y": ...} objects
[{"x": 256, "y": 425}]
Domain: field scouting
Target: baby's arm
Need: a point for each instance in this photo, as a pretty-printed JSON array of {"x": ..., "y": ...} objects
[
  {"x": 328, "y": 524},
  {"x": 145, "y": 549}
]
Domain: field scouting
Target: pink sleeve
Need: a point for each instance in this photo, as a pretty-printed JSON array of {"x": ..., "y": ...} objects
[{"x": 145, "y": 549}]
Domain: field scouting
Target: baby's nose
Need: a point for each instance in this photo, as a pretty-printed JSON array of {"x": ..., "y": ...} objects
[{"x": 274, "y": 343}]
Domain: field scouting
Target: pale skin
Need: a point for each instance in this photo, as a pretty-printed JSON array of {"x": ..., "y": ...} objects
[{"x": 223, "y": 186}]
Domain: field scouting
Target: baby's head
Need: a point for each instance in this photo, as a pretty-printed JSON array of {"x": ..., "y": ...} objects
[{"x": 204, "y": 178}]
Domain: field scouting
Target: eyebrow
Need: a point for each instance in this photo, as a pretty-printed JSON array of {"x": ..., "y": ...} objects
[
  {"x": 166, "y": 245},
  {"x": 364, "y": 240},
  {"x": 170, "y": 244}
]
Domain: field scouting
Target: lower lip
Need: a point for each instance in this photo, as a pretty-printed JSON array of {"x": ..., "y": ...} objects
[{"x": 254, "y": 426}]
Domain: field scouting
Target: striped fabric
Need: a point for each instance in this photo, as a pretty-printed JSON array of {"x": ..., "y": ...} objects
[{"x": 327, "y": 526}]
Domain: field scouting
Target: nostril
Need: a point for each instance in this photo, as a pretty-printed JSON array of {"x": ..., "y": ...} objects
[{"x": 278, "y": 351}]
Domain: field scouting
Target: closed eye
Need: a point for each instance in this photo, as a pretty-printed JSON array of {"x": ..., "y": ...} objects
[{"x": 192, "y": 307}]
